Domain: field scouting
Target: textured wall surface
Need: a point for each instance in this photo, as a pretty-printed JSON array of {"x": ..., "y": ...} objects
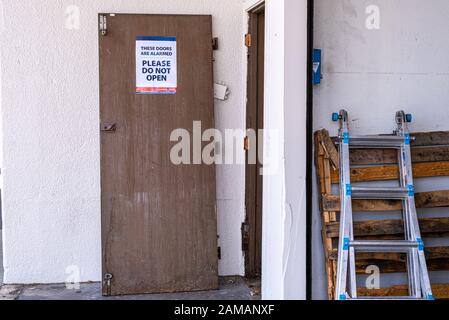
[
  {"x": 51, "y": 168},
  {"x": 374, "y": 73}
]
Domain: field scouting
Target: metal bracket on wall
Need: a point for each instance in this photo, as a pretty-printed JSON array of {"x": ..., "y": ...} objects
[
  {"x": 103, "y": 25},
  {"x": 108, "y": 282},
  {"x": 246, "y": 143},
  {"x": 245, "y": 236},
  {"x": 108, "y": 127},
  {"x": 248, "y": 40},
  {"x": 215, "y": 44}
]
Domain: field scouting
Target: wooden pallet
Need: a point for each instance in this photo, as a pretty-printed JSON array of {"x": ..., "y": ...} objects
[{"x": 430, "y": 156}]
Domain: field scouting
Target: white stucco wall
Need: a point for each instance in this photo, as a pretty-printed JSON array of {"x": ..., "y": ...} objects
[
  {"x": 51, "y": 169},
  {"x": 284, "y": 201},
  {"x": 374, "y": 73}
]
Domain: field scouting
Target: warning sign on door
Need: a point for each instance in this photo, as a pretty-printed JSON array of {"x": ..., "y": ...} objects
[{"x": 156, "y": 69}]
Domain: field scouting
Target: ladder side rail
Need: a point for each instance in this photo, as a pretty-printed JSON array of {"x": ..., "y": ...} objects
[
  {"x": 349, "y": 212},
  {"x": 342, "y": 262},
  {"x": 412, "y": 266},
  {"x": 346, "y": 256},
  {"x": 418, "y": 254}
]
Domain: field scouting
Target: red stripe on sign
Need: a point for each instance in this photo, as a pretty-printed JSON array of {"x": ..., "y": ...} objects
[{"x": 155, "y": 90}]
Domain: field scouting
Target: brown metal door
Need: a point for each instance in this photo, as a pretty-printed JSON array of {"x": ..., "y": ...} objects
[{"x": 159, "y": 225}]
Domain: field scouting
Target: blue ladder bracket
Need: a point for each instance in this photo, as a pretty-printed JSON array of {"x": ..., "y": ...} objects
[
  {"x": 408, "y": 118},
  {"x": 408, "y": 139},
  {"x": 420, "y": 244},
  {"x": 342, "y": 297},
  {"x": 411, "y": 191},
  {"x": 346, "y": 138},
  {"x": 348, "y": 190},
  {"x": 346, "y": 243}
]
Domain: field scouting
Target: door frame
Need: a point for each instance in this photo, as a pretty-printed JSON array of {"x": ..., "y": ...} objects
[
  {"x": 252, "y": 227},
  {"x": 248, "y": 7}
]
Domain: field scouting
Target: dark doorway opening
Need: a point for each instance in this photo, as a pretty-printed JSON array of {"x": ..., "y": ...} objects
[{"x": 252, "y": 228}]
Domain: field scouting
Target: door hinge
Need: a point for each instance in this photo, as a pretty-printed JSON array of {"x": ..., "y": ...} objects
[
  {"x": 246, "y": 143},
  {"x": 215, "y": 44},
  {"x": 219, "y": 253},
  {"x": 248, "y": 40},
  {"x": 245, "y": 236},
  {"x": 103, "y": 25},
  {"x": 108, "y": 282}
]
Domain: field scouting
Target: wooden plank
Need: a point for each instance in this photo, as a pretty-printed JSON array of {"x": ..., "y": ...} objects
[
  {"x": 432, "y": 253},
  {"x": 437, "y": 259},
  {"x": 361, "y": 157},
  {"x": 430, "y": 226},
  {"x": 391, "y": 172},
  {"x": 329, "y": 147},
  {"x": 430, "y": 154},
  {"x": 323, "y": 172},
  {"x": 332, "y": 202},
  {"x": 437, "y": 138},
  {"x": 436, "y": 199},
  {"x": 396, "y": 266},
  {"x": 440, "y": 291}
]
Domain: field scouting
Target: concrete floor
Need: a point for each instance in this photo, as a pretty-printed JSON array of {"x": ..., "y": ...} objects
[{"x": 234, "y": 288}]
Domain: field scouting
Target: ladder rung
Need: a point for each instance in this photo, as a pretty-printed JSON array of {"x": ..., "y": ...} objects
[
  {"x": 381, "y": 193},
  {"x": 376, "y": 141},
  {"x": 390, "y": 246},
  {"x": 385, "y": 298}
]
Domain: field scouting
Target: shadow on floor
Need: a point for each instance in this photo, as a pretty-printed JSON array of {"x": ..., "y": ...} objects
[{"x": 230, "y": 289}]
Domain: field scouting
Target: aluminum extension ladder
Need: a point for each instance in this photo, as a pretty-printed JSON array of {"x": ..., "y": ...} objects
[{"x": 412, "y": 245}]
